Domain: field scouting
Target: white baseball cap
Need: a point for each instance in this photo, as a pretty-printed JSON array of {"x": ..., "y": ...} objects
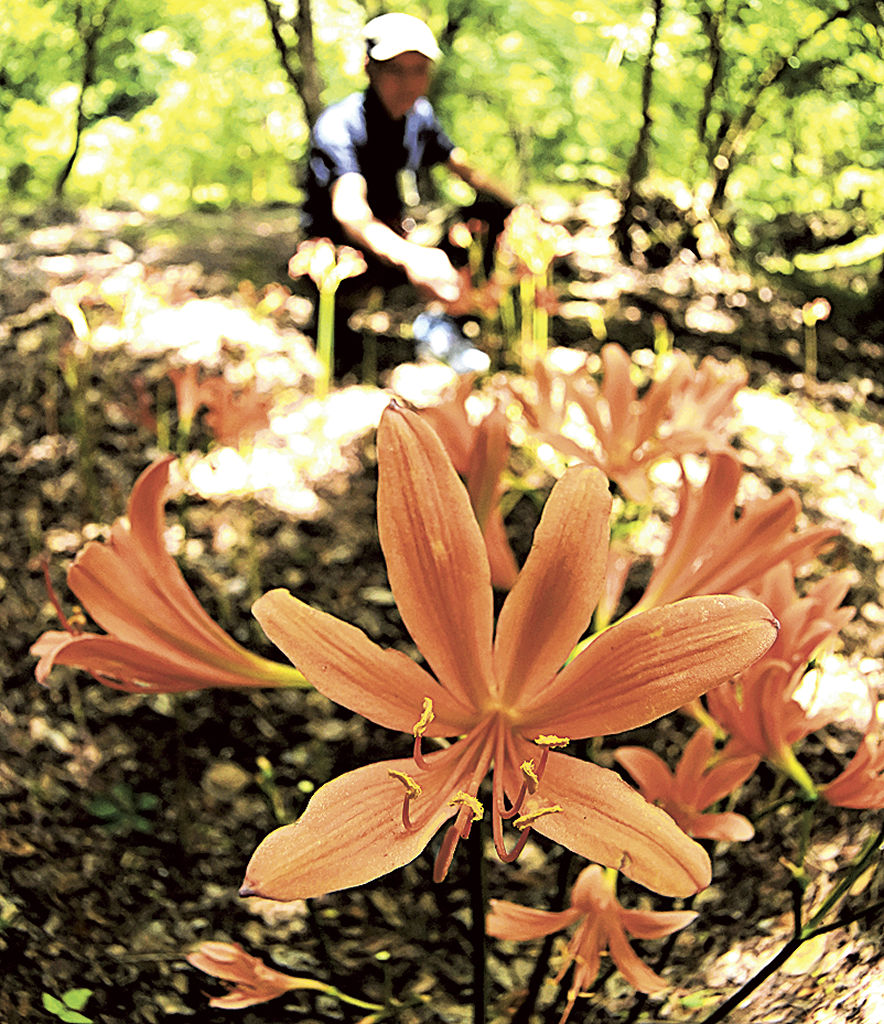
[{"x": 391, "y": 34}]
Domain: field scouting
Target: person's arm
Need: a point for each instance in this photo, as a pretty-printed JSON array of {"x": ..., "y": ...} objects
[
  {"x": 425, "y": 267},
  {"x": 459, "y": 164}
]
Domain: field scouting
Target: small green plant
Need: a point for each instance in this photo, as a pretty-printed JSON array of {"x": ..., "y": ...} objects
[
  {"x": 123, "y": 811},
  {"x": 68, "y": 1007}
]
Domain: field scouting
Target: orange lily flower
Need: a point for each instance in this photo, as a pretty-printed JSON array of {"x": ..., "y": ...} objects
[
  {"x": 709, "y": 551},
  {"x": 700, "y": 780},
  {"x": 806, "y": 623},
  {"x": 602, "y": 925},
  {"x": 861, "y": 783},
  {"x": 479, "y": 453},
  {"x": 251, "y": 980},
  {"x": 190, "y": 393},
  {"x": 759, "y": 708},
  {"x": 235, "y": 415},
  {"x": 760, "y": 713},
  {"x": 506, "y": 696},
  {"x": 683, "y": 411},
  {"x": 159, "y": 638}
]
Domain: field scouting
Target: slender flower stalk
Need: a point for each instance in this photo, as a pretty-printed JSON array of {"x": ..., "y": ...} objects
[
  {"x": 158, "y": 637},
  {"x": 535, "y": 244},
  {"x": 602, "y": 924},
  {"x": 505, "y": 697},
  {"x": 327, "y": 266}
]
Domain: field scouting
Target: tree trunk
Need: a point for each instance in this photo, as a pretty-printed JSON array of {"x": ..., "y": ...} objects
[
  {"x": 737, "y": 135},
  {"x": 637, "y": 168},
  {"x": 90, "y": 30},
  {"x": 298, "y": 58}
]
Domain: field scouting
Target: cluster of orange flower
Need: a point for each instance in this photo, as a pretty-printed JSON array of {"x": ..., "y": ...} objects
[{"x": 719, "y": 616}]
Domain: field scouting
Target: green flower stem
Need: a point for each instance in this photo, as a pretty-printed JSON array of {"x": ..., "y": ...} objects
[
  {"x": 809, "y": 931},
  {"x": 527, "y": 306},
  {"x": 541, "y": 318},
  {"x": 325, "y": 339},
  {"x": 789, "y": 764},
  {"x": 351, "y": 1000}
]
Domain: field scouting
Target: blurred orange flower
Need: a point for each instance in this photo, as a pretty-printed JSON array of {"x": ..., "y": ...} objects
[
  {"x": 861, "y": 783},
  {"x": 712, "y": 551},
  {"x": 534, "y": 241},
  {"x": 701, "y": 779},
  {"x": 602, "y": 924},
  {"x": 479, "y": 453},
  {"x": 683, "y": 411},
  {"x": 251, "y": 980},
  {"x": 159, "y": 638},
  {"x": 758, "y": 708}
]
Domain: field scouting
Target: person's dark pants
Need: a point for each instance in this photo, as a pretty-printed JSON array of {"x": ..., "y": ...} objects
[{"x": 382, "y": 279}]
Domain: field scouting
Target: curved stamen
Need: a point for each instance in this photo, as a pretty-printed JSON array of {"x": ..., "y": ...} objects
[
  {"x": 412, "y": 792},
  {"x": 524, "y": 823},
  {"x": 471, "y": 808},
  {"x": 420, "y": 727}
]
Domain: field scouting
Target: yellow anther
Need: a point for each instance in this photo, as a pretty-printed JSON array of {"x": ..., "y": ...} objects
[
  {"x": 462, "y": 799},
  {"x": 528, "y": 770},
  {"x": 426, "y": 717},
  {"x": 412, "y": 788},
  {"x": 77, "y": 619},
  {"x": 524, "y": 820},
  {"x": 552, "y": 741}
]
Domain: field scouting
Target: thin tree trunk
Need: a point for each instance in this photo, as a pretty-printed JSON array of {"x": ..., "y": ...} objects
[
  {"x": 637, "y": 168},
  {"x": 298, "y": 60},
  {"x": 738, "y": 132},
  {"x": 90, "y": 31}
]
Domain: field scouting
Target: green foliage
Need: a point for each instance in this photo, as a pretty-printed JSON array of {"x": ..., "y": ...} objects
[
  {"x": 123, "y": 810},
  {"x": 68, "y": 1007},
  {"x": 776, "y": 102}
]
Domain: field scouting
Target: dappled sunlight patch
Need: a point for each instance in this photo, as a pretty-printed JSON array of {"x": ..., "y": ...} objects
[
  {"x": 838, "y": 462},
  {"x": 307, "y": 445},
  {"x": 841, "y": 684}
]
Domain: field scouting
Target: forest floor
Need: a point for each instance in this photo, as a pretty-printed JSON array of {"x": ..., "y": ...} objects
[{"x": 127, "y": 820}]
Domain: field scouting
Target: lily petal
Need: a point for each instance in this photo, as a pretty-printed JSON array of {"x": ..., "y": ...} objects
[
  {"x": 384, "y": 686},
  {"x": 649, "y": 771},
  {"x": 649, "y": 664},
  {"x": 550, "y": 606},
  {"x": 636, "y": 972},
  {"x": 516, "y": 923},
  {"x": 655, "y": 924},
  {"x": 129, "y": 667},
  {"x": 607, "y": 821},
  {"x": 726, "y": 826},
  {"x": 350, "y": 834},
  {"x": 436, "y": 559}
]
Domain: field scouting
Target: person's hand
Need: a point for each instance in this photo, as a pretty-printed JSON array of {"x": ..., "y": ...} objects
[{"x": 431, "y": 269}]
